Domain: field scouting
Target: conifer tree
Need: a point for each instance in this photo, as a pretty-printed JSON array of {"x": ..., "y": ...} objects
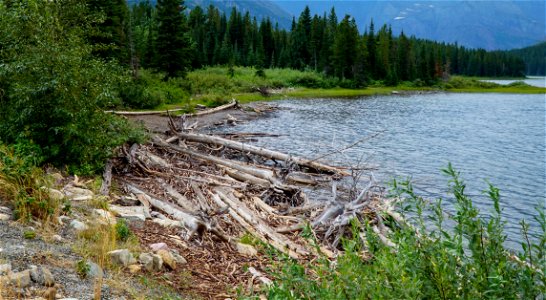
[{"x": 173, "y": 43}]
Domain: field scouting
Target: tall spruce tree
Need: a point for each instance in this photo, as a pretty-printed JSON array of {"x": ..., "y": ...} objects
[
  {"x": 109, "y": 37},
  {"x": 173, "y": 44}
]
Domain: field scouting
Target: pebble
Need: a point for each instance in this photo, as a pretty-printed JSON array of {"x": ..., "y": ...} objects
[
  {"x": 147, "y": 260},
  {"x": 133, "y": 269},
  {"x": 247, "y": 250},
  {"x": 5, "y": 269},
  {"x": 168, "y": 258},
  {"x": 122, "y": 257},
  {"x": 95, "y": 271},
  {"x": 57, "y": 238},
  {"x": 5, "y": 217},
  {"x": 159, "y": 246},
  {"x": 78, "y": 225}
]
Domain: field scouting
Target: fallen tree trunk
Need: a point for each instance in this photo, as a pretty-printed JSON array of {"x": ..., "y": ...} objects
[
  {"x": 256, "y": 172},
  {"x": 256, "y": 226},
  {"x": 233, "y": 103},
  {"x": 163, "y": 112},
  {"x": 202, "y": 138}
]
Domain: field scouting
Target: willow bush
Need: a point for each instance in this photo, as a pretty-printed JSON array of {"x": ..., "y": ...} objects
[
  {"x": 432, "y": 260},
  {"x": 52, "y": 89}
]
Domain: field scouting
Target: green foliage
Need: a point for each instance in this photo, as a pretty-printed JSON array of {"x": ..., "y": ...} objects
[
  {"x": 24, "y": 184},
  {"x": 53, "y": 89},
  {"x": 122, "y": 230},
  {"x": 29, "y": 234},
  {"x": 437, "y": 257},
  {"x": 82, "y": 268}
]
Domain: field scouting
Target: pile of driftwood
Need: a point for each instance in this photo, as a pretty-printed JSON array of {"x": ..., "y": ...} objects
[{"x": 226, "y": 187}]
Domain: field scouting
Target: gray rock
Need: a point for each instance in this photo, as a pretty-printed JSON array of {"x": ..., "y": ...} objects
[
  {"x": 95, "y": 271},
  {"x": 77, "y": 225},
  {"x": 131, "y": 213},
  {"x": 147, "y": 261},
  {"x": 179, "y": 259},
  {"x": 57, "y": 238},
  {"x": 49, "y": 279},
  {"x": 5, "y": 217},
  {"x": 158, "y": 262},
  {"x": 246, "y": 250},
  {"x": 122, "y": 257},
  {"x": 54, "y": 194},
  {"x": 5, "y": 269},
  {"x": 6, "y": 210},
  {"x": 158, "y": 246},
  {"x": 168, "y": 259},
  {"x": 42, "y": 276},
  {"x": 78, "y": 194},
  {"x": 20, "y": 279},
  {"x": 104, "y": 217}
]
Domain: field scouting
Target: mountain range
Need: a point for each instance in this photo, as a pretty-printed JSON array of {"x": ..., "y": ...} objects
[{"x": 491, "y": 25}]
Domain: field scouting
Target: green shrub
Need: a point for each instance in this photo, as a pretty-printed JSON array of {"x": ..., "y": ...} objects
[
  {"x": 437, "y": 257},
  {"x": 53, "y": 90},
  {"x": 24, "y": 184},
  {"x": 122, "y": 230}
]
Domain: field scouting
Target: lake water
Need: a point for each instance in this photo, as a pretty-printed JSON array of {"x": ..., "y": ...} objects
[
  {"x": 495, "y": 137},
  {"x": 530, "y": 80}
]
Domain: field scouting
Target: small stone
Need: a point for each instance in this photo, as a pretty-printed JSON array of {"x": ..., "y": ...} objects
[
  {"x": 78, "y": 194},
  {"x": 50, "y": 293},
  {"x": 5, "y": 217},
  {"x": 167, "y": 223},
  {"x": 20, "y": 279},
  {"x": 122, "y": 257},
  {"x": 104, "y": 216},
  {"x": 133, "y": 269},
  {"x": 77, "y": 225},
  {"x": 157, "y": 262},
  {"x": 167, "y": 258},
  {"x": 57, "y": 176},
  {"x": 247, "y": 250},
  {"x": 147, "y": 260},
  {"x": 63, "y": 219},
  {"x": 54, "y": 194},
  {"x": 49, "y": 280},
  {"x": 128, "y": 201},
  {"x": 159, "y": 246},
  {"x": 94, "y": 271},
  {"x": 179, "y": 259},
  {"x": 57, "y": 238},
  {"x": 5, "y": 269},
  {"x": 131, "y": 213},
  {"x": 6, "y": 210}
]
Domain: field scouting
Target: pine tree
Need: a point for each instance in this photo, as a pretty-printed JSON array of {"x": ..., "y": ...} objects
[
  {"x": 173, "y": 44},
  {"x": 109, "y": 37}
]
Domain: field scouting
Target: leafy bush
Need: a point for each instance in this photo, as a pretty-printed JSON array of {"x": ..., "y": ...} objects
[
  {"x": 122, "y": 230},
  {"x": 53, "y": 91},
  {"x": 24, "y": 184},
  {"x": 432, "y": 260}
]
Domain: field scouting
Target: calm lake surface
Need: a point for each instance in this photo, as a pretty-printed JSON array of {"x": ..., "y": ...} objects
[{"x": 495, "y": 137}]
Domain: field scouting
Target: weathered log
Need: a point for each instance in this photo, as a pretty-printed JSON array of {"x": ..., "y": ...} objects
[
  {"x": 202, "y": 138},
  {"x": 257, "y": 227},
  {"x": 254, "y": 171},
  {"x": 192, "y": 223},
  {"x": 163, "y": 112},
  {"x": 244, "y": 177},
  {"x": 233, "y": 103}
]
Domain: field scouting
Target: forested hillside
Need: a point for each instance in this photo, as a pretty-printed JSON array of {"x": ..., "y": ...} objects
[
  {"x": 322, "y": 43},
  {"x": 534, "y": 58}
]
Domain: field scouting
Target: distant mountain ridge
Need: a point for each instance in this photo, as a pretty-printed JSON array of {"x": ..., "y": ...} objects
[
  {"x": 492, "y": 25},
  {"x": 260, "y": 9}
]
